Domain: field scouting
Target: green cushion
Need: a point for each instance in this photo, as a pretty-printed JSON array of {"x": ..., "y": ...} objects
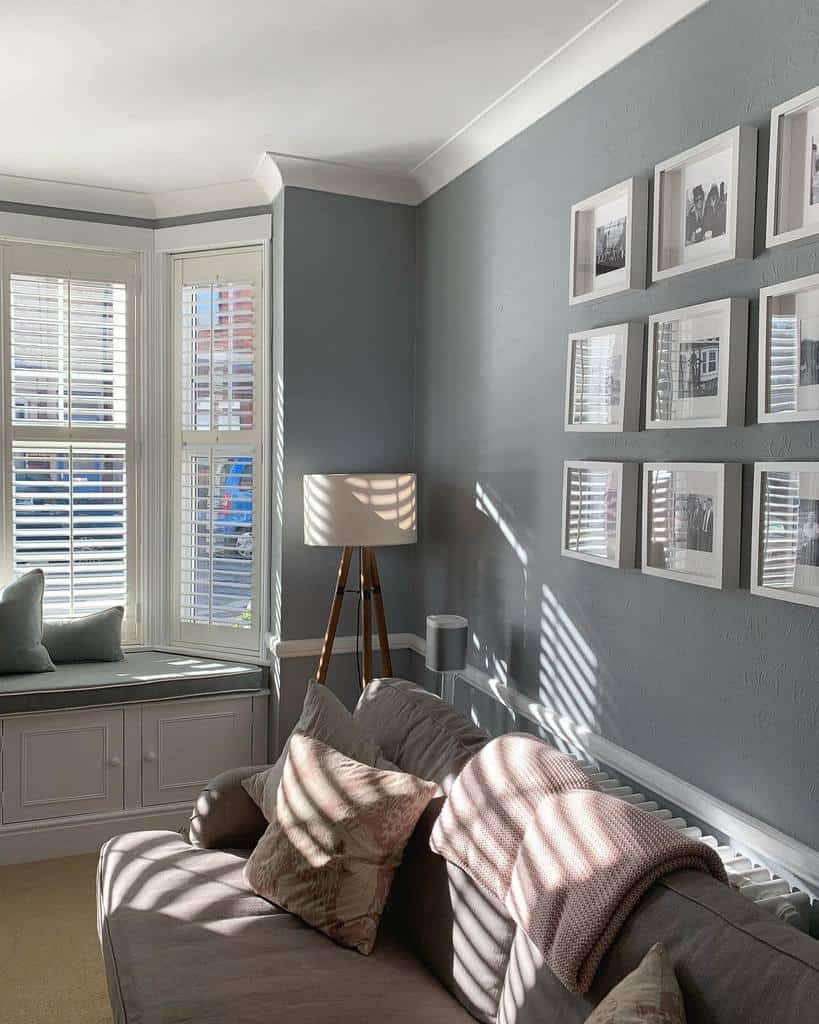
[
  {"x": 95, "y": 637},
  {"x": 21, "y": 626}
]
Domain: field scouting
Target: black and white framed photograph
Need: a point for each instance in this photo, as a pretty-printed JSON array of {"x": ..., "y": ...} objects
[
  {"x": 793, "y": 170},
  {"x": 696, "y": 366},
  {"x": 704, "y": 205},
  {"x": 599, "y": 521},
  {"x": 603, "y": 379},
  {"x": 788, "y": 385},
  {"x": 691, "y": 515},
  {"x": 608, "y": 239},
  {"x": 785, "y": 542}
]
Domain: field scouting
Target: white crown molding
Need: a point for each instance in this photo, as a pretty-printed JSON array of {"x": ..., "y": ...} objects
[
  {"x": 612, "y": 37},
  {"x": 342, "y": 179},
  {"x": 607, "y": 41},
  {"x": 65, "y": 195}
]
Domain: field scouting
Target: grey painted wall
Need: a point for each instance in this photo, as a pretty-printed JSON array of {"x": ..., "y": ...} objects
[
  {"x": 346, "y": 358},
  {"x": 720, "y": 688}
]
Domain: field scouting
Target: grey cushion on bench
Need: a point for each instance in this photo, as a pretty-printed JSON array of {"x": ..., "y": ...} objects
[
  {"x": 95, "y": 637},
  {"x": 142, "y": 675},
  {"x": 21, "y": 626}
]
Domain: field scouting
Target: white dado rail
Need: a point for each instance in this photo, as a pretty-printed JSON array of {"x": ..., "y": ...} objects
[{"x": 747, "y": 835}]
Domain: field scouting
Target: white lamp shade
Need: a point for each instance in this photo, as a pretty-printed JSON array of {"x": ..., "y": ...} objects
[{"x": 366, "y": 510}]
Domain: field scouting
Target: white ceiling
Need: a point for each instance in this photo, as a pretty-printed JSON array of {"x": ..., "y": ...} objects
[{"x": 152, "y": 96}]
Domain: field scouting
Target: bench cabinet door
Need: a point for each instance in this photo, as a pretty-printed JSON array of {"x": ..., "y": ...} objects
[
  {"x": 59, "y": 765},
  {"x": 186, "y": 743}
]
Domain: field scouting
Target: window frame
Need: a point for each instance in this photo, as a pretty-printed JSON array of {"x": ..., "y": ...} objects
[
  {"x": 121, "y": 266},
  {"x": 198, "y": 637}
]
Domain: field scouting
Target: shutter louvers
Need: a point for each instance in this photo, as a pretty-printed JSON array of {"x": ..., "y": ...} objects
[
  {"x": 69, "y": 368},
  {"x": 69, "y": 519}
]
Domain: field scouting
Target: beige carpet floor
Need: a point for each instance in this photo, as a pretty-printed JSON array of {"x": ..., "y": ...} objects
[{"x": 50, "y": 963}]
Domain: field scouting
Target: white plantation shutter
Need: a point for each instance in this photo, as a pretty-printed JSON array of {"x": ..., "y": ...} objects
[
  {"x": 218, "y": 316},
  {"x": 68, "y": 349},
  {"x": 69, "y": 514}
]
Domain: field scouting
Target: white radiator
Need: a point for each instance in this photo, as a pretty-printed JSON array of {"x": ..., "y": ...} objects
[{"x": 753, "y": 881}]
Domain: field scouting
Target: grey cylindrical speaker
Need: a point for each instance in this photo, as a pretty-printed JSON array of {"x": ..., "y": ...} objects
[{"x": 446, "y": 643}]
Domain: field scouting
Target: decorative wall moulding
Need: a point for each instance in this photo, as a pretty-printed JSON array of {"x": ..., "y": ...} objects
[
  {"x": 691, "y": 516},
  {"x": 793, "y": 170},
  {"x": 704, "y": 205},
  {"x": 273, "y": 172},
  {"x": 603, "y": 379},
  {"x": 608, "y": 242},
  {"x": 785, "y": 538},
  {"x": 622, "y": 29},
  {"x": 599, "y": 521},
  {"x": 695, "y": 374},
  {"x": 788, "y": 386}
]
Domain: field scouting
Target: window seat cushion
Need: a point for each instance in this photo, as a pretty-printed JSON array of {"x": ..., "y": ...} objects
[{"x": 141, "y": 676}]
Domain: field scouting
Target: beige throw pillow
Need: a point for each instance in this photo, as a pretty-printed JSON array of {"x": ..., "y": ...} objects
[
  {"x": 325, "y": 718},
  {"x": 338, "y": 835},
  {"x": 649, "y": 995}
]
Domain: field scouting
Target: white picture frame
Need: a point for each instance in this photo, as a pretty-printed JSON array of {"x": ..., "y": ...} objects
[
  {"x": 683, "y": 538},
  {"x": 793, "y": 185},
  {"x": 794, "y": 523},
  {"x": 604, "y": 369},
  {"x": 613, "y": 494},
  {"x": 787, "y": 312},
  {"x": 593, "y": 221},
  {"x": 704, "y": 202},
  {"x": 695, "y": 368}
]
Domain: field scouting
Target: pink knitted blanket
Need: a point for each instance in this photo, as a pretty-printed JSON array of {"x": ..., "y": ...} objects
[
  {"x": 482, "y": 823},
  {"x": 569, "y": 863},
  {"x": 583, "y": 865}
]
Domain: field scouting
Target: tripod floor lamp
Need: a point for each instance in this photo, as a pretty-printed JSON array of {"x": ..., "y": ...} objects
[{"x": 364, "y": 511}]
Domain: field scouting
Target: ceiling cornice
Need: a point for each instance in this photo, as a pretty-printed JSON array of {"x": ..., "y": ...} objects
[
  {"x": 615, "y": 35},
  {"x": 620, "y": 31}
]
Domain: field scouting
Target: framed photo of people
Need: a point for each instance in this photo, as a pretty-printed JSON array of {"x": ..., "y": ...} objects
[
  {"x": 691, "y": 517},
  {"x": 785, "y": 541},
  {"x": 704, "y": 205},
  {"x": 788, "y": 383},
  {"x": 599, "y": 521},
  {"x": 793, "y": 170},
  {"x": 696, "y": 366},
  {"x": 608, "y": 242},
  {"x": 604, "y": 378}
]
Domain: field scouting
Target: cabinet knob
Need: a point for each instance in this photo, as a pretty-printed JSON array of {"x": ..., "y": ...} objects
[
  {"x": 115, "y": 762},
  {"x": 150, "y": 755}
]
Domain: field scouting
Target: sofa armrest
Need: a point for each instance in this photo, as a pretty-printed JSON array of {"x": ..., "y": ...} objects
[{"x": 224, "y": 815}]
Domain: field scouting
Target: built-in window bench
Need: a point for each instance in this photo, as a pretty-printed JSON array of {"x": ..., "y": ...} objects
[{"x": 92, "y": 750}]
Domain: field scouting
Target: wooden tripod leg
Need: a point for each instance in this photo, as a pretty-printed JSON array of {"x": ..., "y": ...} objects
[
  {"x": 366, "y": 614},
  {"x": 335, "y": 612},
  {"x": 380, "y": 618}
]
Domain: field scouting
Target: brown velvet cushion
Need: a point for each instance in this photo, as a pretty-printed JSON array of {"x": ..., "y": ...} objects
[
  {"x": 649, "y": 995},
  {"x": 224, "y": 816},
  {"x": 324, "y": 718},
  {"x": 340, "y": 828}
]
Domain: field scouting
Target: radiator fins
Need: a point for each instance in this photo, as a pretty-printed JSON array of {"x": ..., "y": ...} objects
[{"x": 753, "y": 881}]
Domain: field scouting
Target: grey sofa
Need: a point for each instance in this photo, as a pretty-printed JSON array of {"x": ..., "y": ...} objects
[{"x": 184, "y": 940}]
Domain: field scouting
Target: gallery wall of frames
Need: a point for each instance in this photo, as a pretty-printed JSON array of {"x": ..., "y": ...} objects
[{"x": 703, "y": 216}]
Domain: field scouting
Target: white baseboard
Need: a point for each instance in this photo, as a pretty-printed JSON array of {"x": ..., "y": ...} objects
[
  {"x": 746, "y": 833},
  {"x": 66, "y": 837},
  {"x": 311, "y": 648}
]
